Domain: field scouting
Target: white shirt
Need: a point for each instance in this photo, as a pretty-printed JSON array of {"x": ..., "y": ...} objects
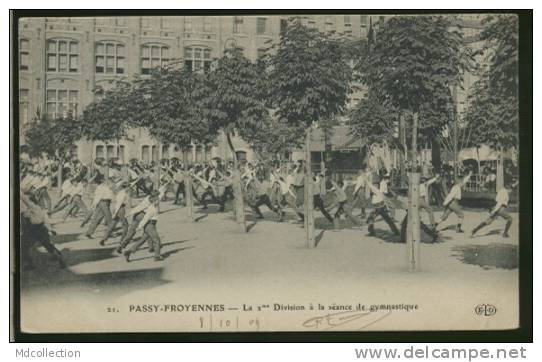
[
  {"x": 77, "y": 189},
  {"x": 424, "y": 192},
  {"x": 384, "y": 186},
  {"x": 140, "y": 207},
  {"x": 42, "y": 182},
  {"x": 66, "y": 185},
  {"x": 501, "y": 198},
  {"x": 26, "y": 182},
  {"x": 359, "y": 183},
  {"x": 378, "y": 196},
  {"x": 455, "y": 192},
  {"x": 103, "y": 192},
  {"x": 121, "y": 199},
  {"x": 151, "y": 213}
]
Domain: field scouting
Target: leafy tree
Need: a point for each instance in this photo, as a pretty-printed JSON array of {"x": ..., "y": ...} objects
[
  {"x": 235, "y": 105},
  {"x": 413, "y": 66},
  {"x": 55, "y": 137},
  {"x": 310, "y": 76},
  {"x": 107, "y": 119},
  {"x": 493, "y": 101},
  {"x": 309, "y": 81},
  {"x": 169, "y": 105}
]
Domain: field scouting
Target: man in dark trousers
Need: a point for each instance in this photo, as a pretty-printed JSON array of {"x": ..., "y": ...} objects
[
  {"x": 380, "y": 208},
  {"x": 102, "y": 200},
  {"x": 499, "y": 210},
  {"x": 35, "y": 229},
  {"x": 262, "y": 198},
  {"x": 148, "y": 225}
]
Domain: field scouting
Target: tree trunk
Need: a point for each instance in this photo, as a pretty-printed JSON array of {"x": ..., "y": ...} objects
[
  {"x": 237, "y": 190},
  {"x": 309, "y": 204},
  {"x": 189, "y": 200},
  {"x": 157, "y": 181},
  {"x": 500, "y": 170},
  {"x": 402, "y": 142},
  {"x": 413, "y": 225},
  {"x": 60, "y": 173},
  {"x": 106, "y": 164},
  {"x": 435, "y": 153}
]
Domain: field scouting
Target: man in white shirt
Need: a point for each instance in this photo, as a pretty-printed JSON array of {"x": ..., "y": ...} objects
[
  {"x": 262, "y": 197},
  {"x": 501, "y": 199},
  {"x": 451, "y": 203},
  {"x": 101, "y": 202},
  {"x": 424, "y": 197},
  {"x": 64, "y": 197},
  {"x": 76, "y": 197},
  {"x": 341, "y": 203},
  {"x": 359, "y": 193},
  {"x": 377, "y": 199},
  {"x": 119, "y": 212},
  {"x": 42, "y": 191},
  {"x": 138, "y": 213},
  {"x": 148, "y": 225}
]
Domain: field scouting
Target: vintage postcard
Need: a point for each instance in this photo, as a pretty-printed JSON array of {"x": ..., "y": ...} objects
[{"x": 251, "y": 173}]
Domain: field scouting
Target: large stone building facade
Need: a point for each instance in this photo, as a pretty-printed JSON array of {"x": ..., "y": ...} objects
[{"x": 67, "y": 63}]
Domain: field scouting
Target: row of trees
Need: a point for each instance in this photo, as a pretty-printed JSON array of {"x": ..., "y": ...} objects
[{"x": 409, "y": 71}]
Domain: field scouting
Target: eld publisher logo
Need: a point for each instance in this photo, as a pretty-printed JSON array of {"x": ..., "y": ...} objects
[{"x": 486, "y": 310}]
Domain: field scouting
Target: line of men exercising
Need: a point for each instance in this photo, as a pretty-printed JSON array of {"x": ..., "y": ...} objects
[{"x": 275, "y": 187}]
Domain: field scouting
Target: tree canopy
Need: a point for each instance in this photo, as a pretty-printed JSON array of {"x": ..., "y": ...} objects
[
  {"x": 55, "y": 137},
  {"x": 493, "y": 101},
  {"x": 309, "y": 77},
  {"x": 169, "y": 104}
]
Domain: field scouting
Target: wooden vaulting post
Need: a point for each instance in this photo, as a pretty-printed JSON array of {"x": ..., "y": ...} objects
[
  {"x": 188, "y": 188},
  {"x": 413, "y": 225},
  {"x": 237, "y": 191},
  {"x": 309, "y": 204}
]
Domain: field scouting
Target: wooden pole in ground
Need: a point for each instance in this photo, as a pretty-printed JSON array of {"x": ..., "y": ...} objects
[
  {"x": 499, "y": 184},
  {"x": 413, "y": 225},
  {"x": 309, "y": 205},
  {"x": 237, "y": 190},
  {"x": 189, "y": 200}
]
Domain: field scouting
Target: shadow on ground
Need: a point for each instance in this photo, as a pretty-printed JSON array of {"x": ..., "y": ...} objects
[
  {"x": 114, "y": 283},
  {"x": 494, "y": 255}
]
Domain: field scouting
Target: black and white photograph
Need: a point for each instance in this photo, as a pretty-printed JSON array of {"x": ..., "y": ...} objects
[{"x": 267, "y": 172}]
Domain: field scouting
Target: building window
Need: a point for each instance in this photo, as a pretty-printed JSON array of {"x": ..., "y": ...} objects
[
  {"x": 24, "y": 54},
  {"x": 121, "y": 153},
  {"x": 260, "y": 25},
  {"x": 110, "y": 58},
  {"x": 363, "y": 21},
  {"x": 110, "y": 151},
  {"x": 23, "y": 106},
  {"x": 329, "y": 26},
  {"x": 347, "y": 21},
  {"x": 166, "y": 23},
  {"x": 145, "y": 22},
  {"x": 197, "y": 59},
  {"x": 207, "y": 26},
  {"x": 261, "y": 52},
  {"x": 153, "y": 56},
  {"x": 62, "y": 56},
  {"x": 165, "y": 151},
  {"x": 311, "y": 23},
  {"x": 237, "y": 24},
  {"x": 145, "y": 154},
  {"x": 283, "y": 25},
  {"x": 100, "y": 151},
  {"x": 102, "y": 21},
  {"x": 120, "y": 21},
  {"x": 188, "y": 24},
  {"x": 61, "y": 103}
]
